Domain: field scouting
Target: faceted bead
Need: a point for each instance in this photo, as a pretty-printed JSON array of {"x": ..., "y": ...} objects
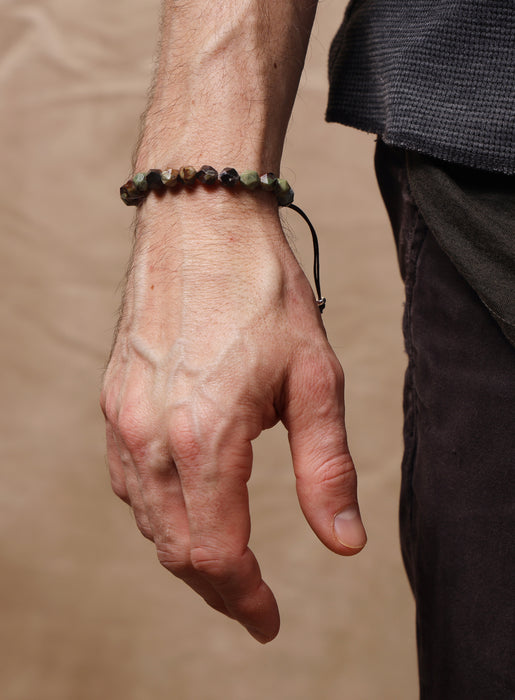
[
  {"x": 284, "y": 192},
  {"x": 250, "y": 179},
  {"x": 154, "y": 181},
  {"x": 128, "y": 190},
  {"x": 170, "y": 177},
  {"x": 140, "y": 180},
  {"x": 284, "y": 199},
  {"x": 188, "y": 174},
  {"x": 130, "y": 194},
  {"x": 229, "y": 177},
  {"x": 268, "y": 181},
  {"x": 207, "y": 175}
]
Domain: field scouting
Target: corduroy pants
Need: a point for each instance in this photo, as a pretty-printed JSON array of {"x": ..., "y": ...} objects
[{"x": 457, "y": 507}]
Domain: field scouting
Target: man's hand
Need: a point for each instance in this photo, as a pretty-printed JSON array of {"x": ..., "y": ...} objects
[
  {"x": 219, "y": 335},
  {"x": 220, "y": 338}
]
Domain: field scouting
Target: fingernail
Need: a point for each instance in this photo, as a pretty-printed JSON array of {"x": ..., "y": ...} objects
[{"x": 349, "y": 529}]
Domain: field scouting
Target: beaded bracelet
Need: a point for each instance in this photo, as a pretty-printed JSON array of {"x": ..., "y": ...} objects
[{"x": 135, "y": 191}]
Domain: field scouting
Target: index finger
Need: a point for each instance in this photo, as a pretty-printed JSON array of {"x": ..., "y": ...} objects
[{"x": 214, "y": 475}]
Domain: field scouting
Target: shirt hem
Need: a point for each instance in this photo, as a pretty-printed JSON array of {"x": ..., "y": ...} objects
[{"x": 431, "y": 147}]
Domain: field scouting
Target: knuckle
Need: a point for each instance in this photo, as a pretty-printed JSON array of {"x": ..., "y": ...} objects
[
  {"x": 328, "y": 390},
  {"x": 108, "y": 406},
  {"x": 135, "y": 430},
  {"x": 323, "y": 373},
  {"x": 119, "y": 489},
  {"x": 217, "y": 566},
  {"x": 332, "y": 376},
  {"x": 337, "y": 477},
  {"x": 335, "y": 471},
  {"x": 103, "y": 402},
  {"x": 176, "y": 563},
  {"x": 145, "y": 529},
  {"x": 183, "y": 437}
]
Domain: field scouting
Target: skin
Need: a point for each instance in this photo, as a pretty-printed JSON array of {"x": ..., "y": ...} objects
[{"x": 219, "y": 335}]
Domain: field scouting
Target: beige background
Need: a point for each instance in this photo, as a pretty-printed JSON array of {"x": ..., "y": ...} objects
[{"x": 86, "y": 611}]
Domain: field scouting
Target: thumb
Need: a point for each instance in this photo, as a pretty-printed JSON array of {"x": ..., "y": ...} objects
[{"x": 325, "y": 473}]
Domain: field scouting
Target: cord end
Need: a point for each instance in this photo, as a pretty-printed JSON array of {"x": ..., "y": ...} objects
[{"x": 321, "y": 303}]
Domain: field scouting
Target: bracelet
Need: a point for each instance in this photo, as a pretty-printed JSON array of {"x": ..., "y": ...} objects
[
  {"x": 137, "y": 188},
  {"x": 135, "y": 191}
]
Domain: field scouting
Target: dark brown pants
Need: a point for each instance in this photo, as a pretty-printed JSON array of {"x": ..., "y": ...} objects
[{"x": 457, "y": 510}]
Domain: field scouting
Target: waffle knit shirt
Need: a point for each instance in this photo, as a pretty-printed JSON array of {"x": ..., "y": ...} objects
[{"x": 434, "y": 76}]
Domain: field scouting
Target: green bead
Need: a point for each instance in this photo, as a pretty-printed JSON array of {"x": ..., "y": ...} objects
[
  {"x": 250, "y": 179},
  {"x": 188, "y": 174},
  {"x": 170, "y": 177},
  {"x": 282, "y": 185},
  {"x": 283, "y": 192},
  {"x": 268, "y": 181},
  {"x": 284, "y": 200},
  {"x": 140, "y": 180}
]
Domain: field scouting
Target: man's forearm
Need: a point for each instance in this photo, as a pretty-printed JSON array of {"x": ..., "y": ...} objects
[{"x": 225, "y": 83}]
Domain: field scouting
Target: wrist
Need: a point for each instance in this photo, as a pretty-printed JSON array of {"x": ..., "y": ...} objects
[
  {"x": 195, "y": 218},
  {"x": 157, "y": 184}
]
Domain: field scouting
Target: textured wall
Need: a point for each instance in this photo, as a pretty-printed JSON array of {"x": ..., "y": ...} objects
[{"x": 86, "y": 610}]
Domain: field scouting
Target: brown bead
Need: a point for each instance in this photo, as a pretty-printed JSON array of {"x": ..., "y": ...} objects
[
  {"x": 170, "y": 177},
  {"x": 130, "y": 194},
  {"x": 188, "y": 174},
  {"x": 207, "y": 175},
  {"x": 229, "y": 177},
  {"x": 129, "y": 189}
]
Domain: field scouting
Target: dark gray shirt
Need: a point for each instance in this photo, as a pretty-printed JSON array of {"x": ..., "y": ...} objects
[{"x": 435, "y": 76}]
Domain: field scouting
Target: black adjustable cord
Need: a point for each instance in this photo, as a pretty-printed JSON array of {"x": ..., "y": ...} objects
[{"x": 321, "y": 301}]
